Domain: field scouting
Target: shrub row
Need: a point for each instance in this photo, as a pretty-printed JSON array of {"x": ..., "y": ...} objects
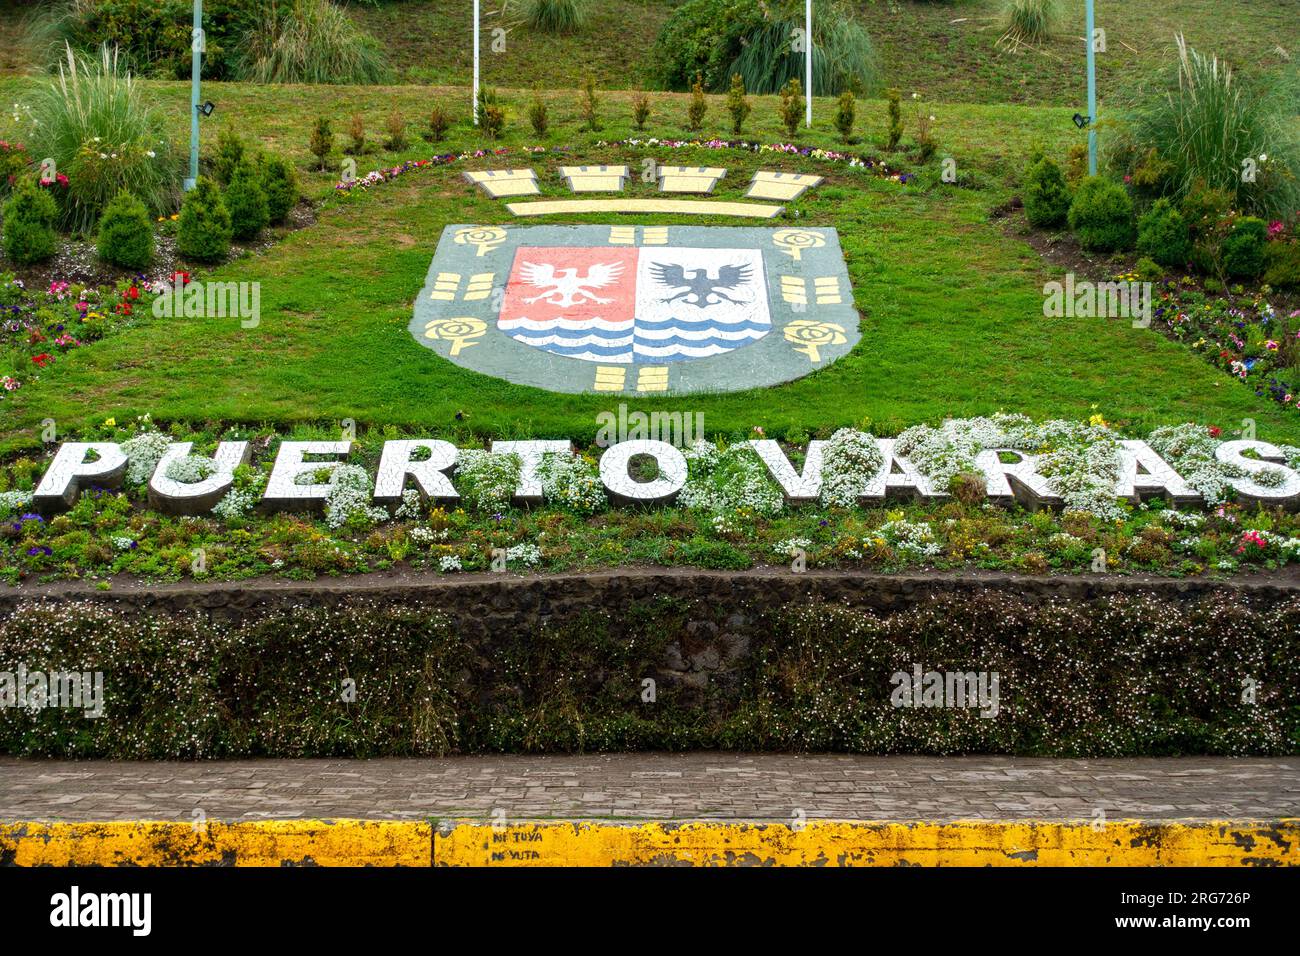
[
  {"x": 1201, "y": 233},
  {"x": 1128, "y": 674}
]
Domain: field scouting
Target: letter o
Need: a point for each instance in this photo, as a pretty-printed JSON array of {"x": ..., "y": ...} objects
[{"x": 614, "y": 471}]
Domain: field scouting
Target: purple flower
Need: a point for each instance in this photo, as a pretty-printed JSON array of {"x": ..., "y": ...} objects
[{"x": 38, "y": 550}]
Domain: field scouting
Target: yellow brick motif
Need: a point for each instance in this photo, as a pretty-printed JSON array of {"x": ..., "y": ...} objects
[
  {"x": 445, "y": 286},
  {"x": 794, "y": 290},
  {"x": 480, "y": 285},
  {"x": 610, "y": 378},
  {"x": 827, "y": 290},
  {"x": 652, "y": 379}
]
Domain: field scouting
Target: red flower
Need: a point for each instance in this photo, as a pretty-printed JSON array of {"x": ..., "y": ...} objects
[
  {"x": 44, "y": 359},
  {"x": 1215, "y": 431},
  {"x": 182, "y": 277},
  {"x": 132, "y": 293}
]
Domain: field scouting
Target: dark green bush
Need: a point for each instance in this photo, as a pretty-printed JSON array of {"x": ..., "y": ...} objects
[
  {"x": 126, "y": 233},
  {"x": 1163, "y": 235},
  {"x": 1282, "y": 265},
  {"x": 230, "y": 150},
  {"x": 1047, "y": 195},
  {"x": 246, "y": 202},
  {"x": 280, "y": 183},
  {"x": 29, "y": 218},
  {"x": 204, "y": 231},
  {"x": 1243, "y": 248},
  {"x": 1101, "y": 215},
  {"x": 705, "y": 37}
]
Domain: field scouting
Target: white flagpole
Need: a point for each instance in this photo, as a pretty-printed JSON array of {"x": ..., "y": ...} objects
[
  {"x": 476, "y": 2},
  {"x": 807, "y": 58}
]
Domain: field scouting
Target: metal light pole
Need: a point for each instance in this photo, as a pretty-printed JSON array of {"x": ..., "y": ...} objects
[
  {"x": 807, "y": 58},
  {"x": 476, "y": 2},
  {"x": 196, "y": 51},
  {"x": 1092, "y": 94}
]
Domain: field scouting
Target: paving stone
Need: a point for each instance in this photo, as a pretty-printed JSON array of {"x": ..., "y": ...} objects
[{"x": 656, "y": 786}]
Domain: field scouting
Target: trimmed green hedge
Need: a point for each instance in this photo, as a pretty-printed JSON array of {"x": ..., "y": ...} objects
[{"x": 1119, "y": 676}]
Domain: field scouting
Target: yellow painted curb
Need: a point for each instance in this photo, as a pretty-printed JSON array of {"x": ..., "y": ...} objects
[
  {"x": 820, "y": 843},
  {"x": 260, "y": 843},
  {"x": 823, "y": 843}
]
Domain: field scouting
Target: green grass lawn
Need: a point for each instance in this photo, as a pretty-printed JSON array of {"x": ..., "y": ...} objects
[{"x": 950, "y": 300}]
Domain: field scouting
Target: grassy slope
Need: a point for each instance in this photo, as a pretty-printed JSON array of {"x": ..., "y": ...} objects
[
  {"x": 947, "y": 51},
  {"x": 951, "y": 304}
]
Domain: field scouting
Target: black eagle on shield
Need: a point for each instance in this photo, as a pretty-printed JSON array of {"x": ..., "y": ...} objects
[{"x": 697, "y": 288}]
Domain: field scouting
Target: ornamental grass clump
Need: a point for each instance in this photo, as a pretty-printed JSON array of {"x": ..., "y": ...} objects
[
  {"x": 125, "y": 233},
  {"x": 309, "y": 41},
  {"x": 1029, "y": 21},
  {"x": 487, "y": 480},
  {"x": 572, "y": 482},
  {"x": 1213, "y": 130},
  {"x": 555, "y": 16},
  {"x": 96, "y": 125},
  {"x": 844, "y": 58},
  {"x": 722, "y": 479}
]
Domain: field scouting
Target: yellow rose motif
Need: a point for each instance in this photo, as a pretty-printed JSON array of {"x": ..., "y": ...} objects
[
  {"x": 486, "y": 238},
  {"x": 794, "y": 241},
  {"x": 808, "y": 335},
  {"x": 457, "y": 331}
]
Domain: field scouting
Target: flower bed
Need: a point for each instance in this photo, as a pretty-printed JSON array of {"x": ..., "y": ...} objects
[
  {"x": 379, "y": 176},
  {"x": 730, "y": 515},
  {"x": 1244, "y": 334},
  {"x": 38, "y": 326}
]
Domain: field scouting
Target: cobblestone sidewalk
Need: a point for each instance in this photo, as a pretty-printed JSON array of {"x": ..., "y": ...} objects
[{"x": 655, "y": 787}]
